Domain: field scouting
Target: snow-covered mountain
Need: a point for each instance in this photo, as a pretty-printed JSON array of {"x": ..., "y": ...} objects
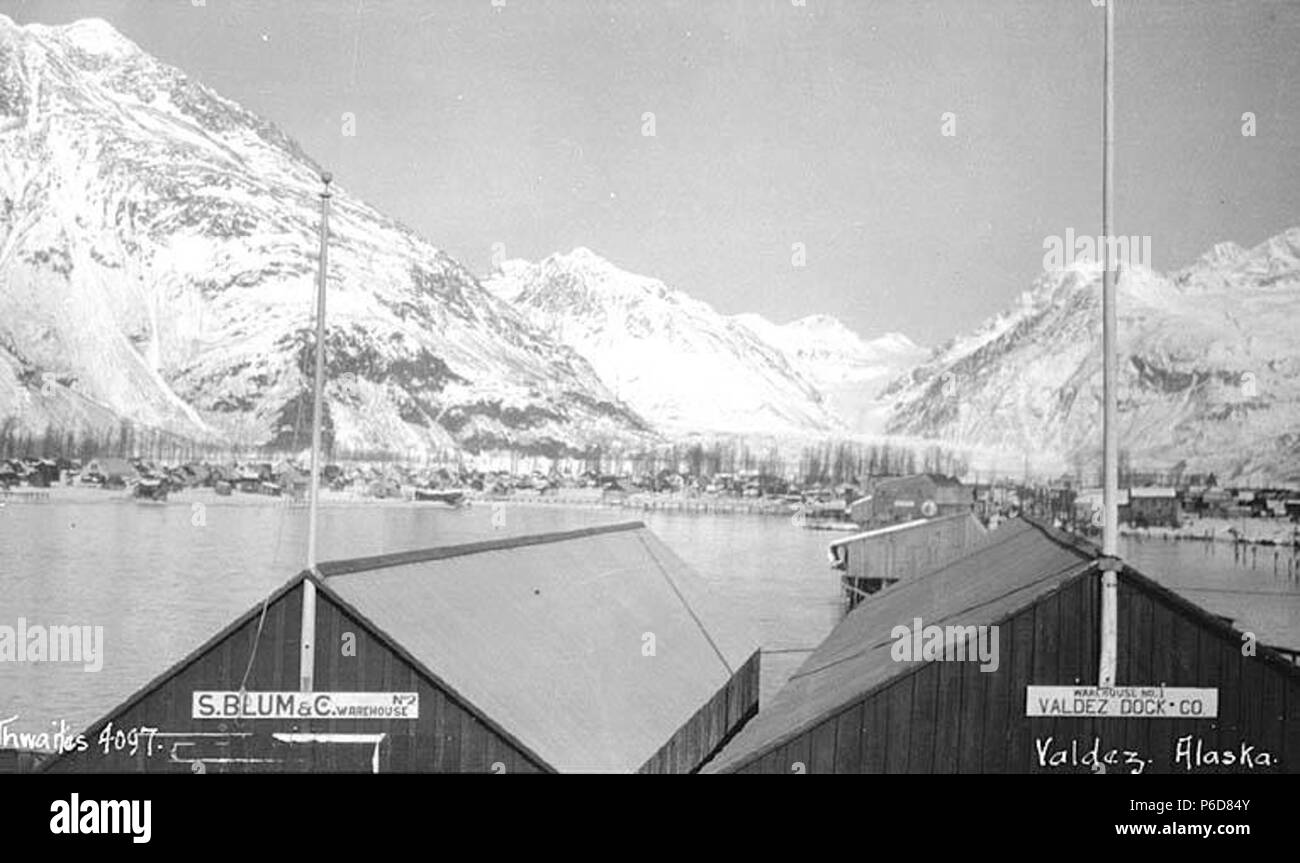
[
  {"x": 848, "y": 370},
  {"x": 674, "y": 359},
  {"x": 1209, "y": 369},
  {"x": 158, "y": 252}
]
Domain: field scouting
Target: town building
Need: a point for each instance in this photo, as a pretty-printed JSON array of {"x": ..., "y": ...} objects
[
  {"x": 594, "y": 650},
  {"x": 1192, "y": 694}
]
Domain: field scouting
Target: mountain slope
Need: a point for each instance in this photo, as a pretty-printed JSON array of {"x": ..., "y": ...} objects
[
  {"x": 849, "y": 371},
  {"x": 674, "y": 359},
  {"x": 158, "y": 251},
  {"x": 1209, "y": 369}
]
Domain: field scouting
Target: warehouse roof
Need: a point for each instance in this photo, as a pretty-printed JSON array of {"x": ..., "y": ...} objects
[
  {"x": 1005, "y": 571},
  {"x": 550, "y": 636}
]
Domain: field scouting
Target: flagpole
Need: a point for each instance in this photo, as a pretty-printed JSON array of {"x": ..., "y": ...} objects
[
  {"x": 307, "y": 657},
  {"x": 1110, "y": 431}
]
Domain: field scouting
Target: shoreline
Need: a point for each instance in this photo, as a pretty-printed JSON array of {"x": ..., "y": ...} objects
[
  {"x": 1268, "y": 532},
  {"x": 576, "y": 498},
  {"x": 1274, "y": 532}
]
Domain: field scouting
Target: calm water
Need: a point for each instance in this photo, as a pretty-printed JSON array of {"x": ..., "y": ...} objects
[
  {"x": 1259, "y": 591},
  {"x": 161, "y": 580}
]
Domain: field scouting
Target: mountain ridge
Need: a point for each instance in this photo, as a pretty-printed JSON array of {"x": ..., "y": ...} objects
[
  {"x": 1208, "y": 369},
  {"x": 678, "y": 361},
  {"x": 158, "y": 243}
]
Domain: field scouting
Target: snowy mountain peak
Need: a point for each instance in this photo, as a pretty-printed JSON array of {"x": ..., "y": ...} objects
[
  {"x": 1223, "y": 254},
  {"x": 823, "y": 325},
  {"x": 160, "y": 255},
  {"x": 672, "y": 357},
  {"x": 1209, "y": 369},
  {"x": 96, "y": 36},
  {"x": 93, "y": 36},
  {"x": 584, "y": 271},
  {"x": 850, "y": 371}
]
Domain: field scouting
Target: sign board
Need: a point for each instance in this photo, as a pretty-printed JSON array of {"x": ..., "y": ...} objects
[
  {"x": 1122, "y": 702},
  {"x": 906, "y": 504},
  {"x": 304, "y": 705}
]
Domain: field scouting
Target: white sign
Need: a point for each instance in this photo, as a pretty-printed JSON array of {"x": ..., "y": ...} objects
[
  {"x": 905, "y": 503},
  {"x": 305, "y": 705},
  {"x": 1122, "y": 702}
]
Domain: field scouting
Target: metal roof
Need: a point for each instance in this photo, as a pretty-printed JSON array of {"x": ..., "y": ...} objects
[
  {"x": 1004, "y": 572},
  {"x": 1153, "y": 491},
  {"x": 545, "y": 635},
  {"x": 895, "y": 528}
]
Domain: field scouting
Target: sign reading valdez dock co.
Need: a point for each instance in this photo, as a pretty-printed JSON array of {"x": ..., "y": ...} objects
[
  {"x": 1122, "y": 702},
  {"x": 305, "y": 705}
]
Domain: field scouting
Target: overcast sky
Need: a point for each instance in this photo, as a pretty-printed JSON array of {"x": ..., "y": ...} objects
[{"x": 522, "y": 123}]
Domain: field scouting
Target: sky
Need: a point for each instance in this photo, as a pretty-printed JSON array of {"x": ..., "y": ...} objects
[{"x": 798, "y": 163}]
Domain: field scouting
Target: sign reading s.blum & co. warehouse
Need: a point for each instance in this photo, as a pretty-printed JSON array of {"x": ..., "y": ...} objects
[
  {"x": 1123, "y": 702},
  {"x": 305, "y": 705}
]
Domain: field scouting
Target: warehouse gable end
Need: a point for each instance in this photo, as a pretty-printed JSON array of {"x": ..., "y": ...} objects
[
  {"x": 516, "y": 655},
  {"x": 1185, "y": 698}
]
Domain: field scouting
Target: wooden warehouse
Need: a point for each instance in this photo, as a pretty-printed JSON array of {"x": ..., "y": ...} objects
[
  {"x": 1186, "y": 698},
  {"x": 592, "y": 650},
  {"x": 1153, "y": 507},
  {"x": 904, "y": 498},
  {"x": 878, "y": 558}
]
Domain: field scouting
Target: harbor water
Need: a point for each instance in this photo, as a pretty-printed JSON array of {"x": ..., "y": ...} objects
[{"x": 161, "y": 579}]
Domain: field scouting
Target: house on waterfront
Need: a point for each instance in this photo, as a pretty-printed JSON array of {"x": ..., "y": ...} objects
[
  {"x": 1188, "y": 698},
  {"x": 892, "y": 500},
  {"x": 1153, "y": 507},
  {"x": 1088, "y": 506},
  {"x": 594, "y": 650},
  {"x": 1214, "y": 503},
  {"x": 109, "y": 472}
]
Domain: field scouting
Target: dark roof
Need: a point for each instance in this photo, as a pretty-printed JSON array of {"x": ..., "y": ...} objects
[
  {"x": 936, "y": 478},
  {"x": 544, "y": 634},
  {"x": 941, "y": 482},
  {"x": 1005, "y": 572},
  {"x": 560, "y": 673}
]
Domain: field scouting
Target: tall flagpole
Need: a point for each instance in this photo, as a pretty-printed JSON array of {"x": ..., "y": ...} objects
[
  {"x": 1110, "y": 432},
  {"x": 307, "y": 657}
]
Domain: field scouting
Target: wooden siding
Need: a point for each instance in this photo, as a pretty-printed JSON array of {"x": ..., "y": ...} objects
[
  {"x": 949, "y": 717},
  {"x": 712, "y": 725},
  {"x": 447, "y": 737},
  {"x": 872, "y": 561}
]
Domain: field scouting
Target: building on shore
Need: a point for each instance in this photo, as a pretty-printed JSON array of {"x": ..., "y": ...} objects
[
  {"x": 918, "y": 680},
  {"x": 1155, "y": 506},
  {"x": 1088, "y": 507},
  {"x": 875, "y": 559},
  {"x": 893, "y": 500},
  {"x": 594, "y": 650},
  {"x": 110, "y": 472}
]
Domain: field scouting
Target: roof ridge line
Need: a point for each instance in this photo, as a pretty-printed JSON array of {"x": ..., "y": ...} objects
[
  {"x": 332, "y": 568},
  {"x": 1082, "y": 566},
  {"x": 704, "y": 630},
  {"x": 1067, "y": 541}
]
